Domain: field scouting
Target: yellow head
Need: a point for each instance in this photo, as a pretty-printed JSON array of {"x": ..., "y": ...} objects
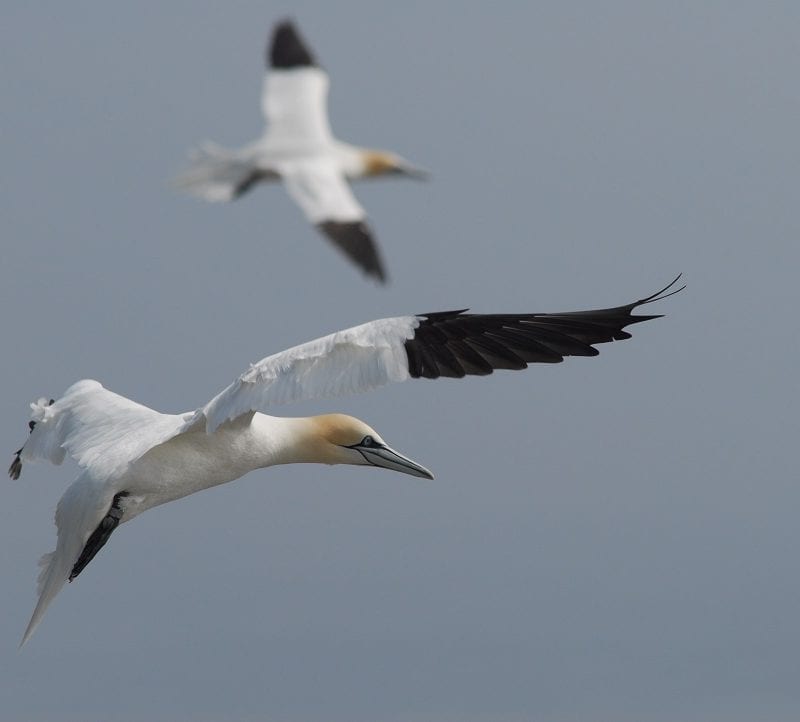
[
  {"x": 379, "y": 162},
  {"x": 342, "y": 439}
]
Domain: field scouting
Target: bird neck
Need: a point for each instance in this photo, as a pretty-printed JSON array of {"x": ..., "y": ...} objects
[{"x": 293, "y": 441}]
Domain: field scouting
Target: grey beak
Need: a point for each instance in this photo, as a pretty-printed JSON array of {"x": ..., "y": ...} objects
[
  {"x": 411, "y": 171},
  {"x": 388, "y": 458}
]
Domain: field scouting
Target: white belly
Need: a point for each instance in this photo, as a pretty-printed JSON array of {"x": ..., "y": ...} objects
[{"x": 189, "y": 463}]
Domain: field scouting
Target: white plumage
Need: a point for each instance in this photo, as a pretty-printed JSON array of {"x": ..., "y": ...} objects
[
  {"x": 134, "y": 458},
  {"x": 298, "y": 147},
  {"x": 108, "y": 435},
  {"x": 295, "y": 105}
]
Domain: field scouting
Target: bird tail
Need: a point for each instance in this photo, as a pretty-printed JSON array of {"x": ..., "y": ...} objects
[
  {"x": 218, "y": 174},
  {"x": 52, "y": 575},
  {"x": 78, "y": 513}
]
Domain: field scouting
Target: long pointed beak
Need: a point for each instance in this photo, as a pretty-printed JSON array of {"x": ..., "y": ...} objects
[
  {"x": 388, "y": 458},
  {"x": 412, "y": 171}
]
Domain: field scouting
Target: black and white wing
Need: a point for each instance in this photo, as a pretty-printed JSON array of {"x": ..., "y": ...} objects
[
  {"x": 432, "y": 345},
  {"x": 319, "y": 187},
  {"x": 295, "y": 95}
]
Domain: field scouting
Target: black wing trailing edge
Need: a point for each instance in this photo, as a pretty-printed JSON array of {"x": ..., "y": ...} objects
[
  {"x": 457, "y": 344},
  {"x": 355, "y": 240},
  {"x": 287, "y": 49}
]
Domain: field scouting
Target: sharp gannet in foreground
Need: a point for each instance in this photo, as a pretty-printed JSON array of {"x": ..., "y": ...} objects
[
  {"x": 134, "y": 458},
  {"x": 299, "y": 148}
]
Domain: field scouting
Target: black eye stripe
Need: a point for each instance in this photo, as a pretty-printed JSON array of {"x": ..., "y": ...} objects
[{"x": 368, "y": 442}]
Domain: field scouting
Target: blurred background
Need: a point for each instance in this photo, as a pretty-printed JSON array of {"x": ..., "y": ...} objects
[{"x": 606, "y": 539}]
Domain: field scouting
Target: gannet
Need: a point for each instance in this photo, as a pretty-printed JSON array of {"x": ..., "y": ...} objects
[
  {"x": 134, "y": 458},
  {"x": 299, "y": 148}
]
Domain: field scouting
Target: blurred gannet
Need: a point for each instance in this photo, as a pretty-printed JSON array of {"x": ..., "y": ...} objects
[
  {"x": 299, "y": 148},
  {"x": 134, "y": 458}
]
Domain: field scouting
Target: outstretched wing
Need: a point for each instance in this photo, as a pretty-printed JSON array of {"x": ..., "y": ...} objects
[
  {"x": 101, "y": 430},
  {"x": 324, "y": 195},
  {"x": 431, "y": 345},
  {"x": 294, "y": 99}
]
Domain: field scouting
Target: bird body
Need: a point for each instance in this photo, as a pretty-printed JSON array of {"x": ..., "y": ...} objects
[
  {"x": 299, "y": 148},
  {"x": 196, "y": 460},
  {"x": 134, "y": 458}
]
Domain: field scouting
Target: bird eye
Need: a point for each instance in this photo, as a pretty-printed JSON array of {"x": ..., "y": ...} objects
[{"x": 367, "y": 441}]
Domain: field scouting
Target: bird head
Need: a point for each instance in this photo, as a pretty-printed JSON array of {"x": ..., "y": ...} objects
[
  {"x": 342, "y": 439},
  {"x": 380, "y": 162}
]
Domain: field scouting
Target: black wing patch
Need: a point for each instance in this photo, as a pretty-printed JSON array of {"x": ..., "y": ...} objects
[
  {"x": 355, "y": 239},
  {"x": 287, "y": 49},
  {"x": 457, "y": 344},
  {"x": 100, "y": 535},
  {"x": 16, "y": 466}
]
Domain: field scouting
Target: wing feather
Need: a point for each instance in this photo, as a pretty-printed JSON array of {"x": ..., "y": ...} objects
[
  {"x": 105, "y": 432},
  {"x": 356, "y": 359},
  {"x": 449, "y": 343},
  {"x": 101, "y": 430},
  {"x": 324, "y": 195},
  {"x": 295, "y": 105},
  {"x": 322, "y": 192}
]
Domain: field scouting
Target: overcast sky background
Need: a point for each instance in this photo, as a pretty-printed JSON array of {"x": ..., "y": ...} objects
[{"x": 607, "y": 539}]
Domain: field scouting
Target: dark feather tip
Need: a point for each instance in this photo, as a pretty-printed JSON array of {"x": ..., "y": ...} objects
[
  {"x": 456, "y": 343},
  {"x": 288, "y": 50},
  {"x": 16, "y": 466},
  {"x": 355, "y": 240}
]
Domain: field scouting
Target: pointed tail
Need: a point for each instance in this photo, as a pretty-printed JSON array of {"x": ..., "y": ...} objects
[
  {"x": 217, "y": 174},
  {"x": 52, "y": 576},
  {"x": 79, "y": 511}
]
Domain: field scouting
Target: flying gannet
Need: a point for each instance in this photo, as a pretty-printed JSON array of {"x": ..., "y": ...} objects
[
  {"x": 298, "y": 147},
  {"x": 134, "y": 458}
]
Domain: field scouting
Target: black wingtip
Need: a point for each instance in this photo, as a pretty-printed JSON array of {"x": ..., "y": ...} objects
[
  {"x": 455, "y": 344},
  {"x": 355, "y": 240},
  {"x": 16, "y": 466},
  {"x": 661, "y": 295},
  {"x": 657, "y": 296},
  {"x": 287, "y": 49},
  {"x": 436, "y": 316}
]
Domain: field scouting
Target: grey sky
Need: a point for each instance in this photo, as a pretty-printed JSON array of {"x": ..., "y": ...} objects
[{"x": 607, "y": 539}]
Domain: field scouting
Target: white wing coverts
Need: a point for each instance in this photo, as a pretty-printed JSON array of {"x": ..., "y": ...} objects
[
  {"x": 356, "y": 359},
  {"x": 294, "y": 103},
  {"x": 103, "y": 431}
]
